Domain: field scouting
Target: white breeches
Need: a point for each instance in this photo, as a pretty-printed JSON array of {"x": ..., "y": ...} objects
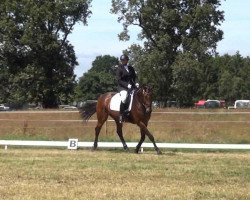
[{"x": 123, "y": 94}]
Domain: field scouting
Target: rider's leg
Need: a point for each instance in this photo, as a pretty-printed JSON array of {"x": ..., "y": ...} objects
[
  {"x": 122, "y": 108},
  {"x": 123, "y": 94}
]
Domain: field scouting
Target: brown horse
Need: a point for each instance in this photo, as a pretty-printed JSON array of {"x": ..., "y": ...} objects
[{"x": 140, "y": 114}]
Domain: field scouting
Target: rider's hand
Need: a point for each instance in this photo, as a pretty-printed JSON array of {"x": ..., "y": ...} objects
[
  {"x": 129, "y": 86},
  {"x": 137, "y": 85}
]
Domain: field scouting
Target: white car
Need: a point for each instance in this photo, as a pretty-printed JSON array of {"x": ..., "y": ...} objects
[
  {"x": 242, "y": 104},
  {"x": 4, "y": 108},
  {"x": 70, "y": 108}
]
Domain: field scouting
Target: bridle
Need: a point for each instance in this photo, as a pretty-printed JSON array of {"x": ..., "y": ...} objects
[{"x": 147, "y": 108}]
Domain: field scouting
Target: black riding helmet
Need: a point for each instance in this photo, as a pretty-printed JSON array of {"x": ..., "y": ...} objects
[{"x": 124, "y": 57}]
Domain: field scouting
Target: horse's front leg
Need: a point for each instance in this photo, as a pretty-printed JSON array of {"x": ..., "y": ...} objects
[
  {"x": 150, "y": 136},
  {"x": 140, "y": 142},
  {"x": 120, "y": 134}
]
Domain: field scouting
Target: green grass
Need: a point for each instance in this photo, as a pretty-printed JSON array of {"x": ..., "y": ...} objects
[{"x": 63, "y": 174}]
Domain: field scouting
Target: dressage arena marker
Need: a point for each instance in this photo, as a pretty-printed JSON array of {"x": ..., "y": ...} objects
[{"x": 75, "y": 144}]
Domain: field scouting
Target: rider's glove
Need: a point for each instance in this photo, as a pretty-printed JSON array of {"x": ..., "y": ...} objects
[
  {"x": 129, "y": 86},
  {"x": 137, "y": 85}
]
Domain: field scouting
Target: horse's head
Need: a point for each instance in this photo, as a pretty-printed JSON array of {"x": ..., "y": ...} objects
[{"x": 145, "y": 97}]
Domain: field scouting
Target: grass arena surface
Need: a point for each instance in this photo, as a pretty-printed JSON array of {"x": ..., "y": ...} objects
[{"x": 113, "y": 174}]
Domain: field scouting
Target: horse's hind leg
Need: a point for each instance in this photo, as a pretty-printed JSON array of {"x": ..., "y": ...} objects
[
  {"x": 120, "y": 134},
  {"x": 97, "y": 131},
  {"x": 101, "y": 119}
]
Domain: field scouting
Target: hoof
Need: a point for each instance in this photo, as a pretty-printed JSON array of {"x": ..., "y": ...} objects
[
  {"x": 159, "y": 152},
  {"x": 93, "y": 148},
  {"x": 126, "y": 149}
]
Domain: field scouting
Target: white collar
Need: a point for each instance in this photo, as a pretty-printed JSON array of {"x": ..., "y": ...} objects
[{"x": 126, "y": 67}]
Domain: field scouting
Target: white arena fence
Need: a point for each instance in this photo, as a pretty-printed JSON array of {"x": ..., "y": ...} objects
[{"x": 75, "y": 144}]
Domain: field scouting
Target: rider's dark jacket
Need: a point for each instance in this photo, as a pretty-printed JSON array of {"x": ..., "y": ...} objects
[{"x": 125, "y": 77}]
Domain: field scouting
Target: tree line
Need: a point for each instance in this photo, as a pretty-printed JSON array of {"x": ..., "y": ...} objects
[
  {"x": 225, "y": 78},
  {"x": 177, "y": 56}
]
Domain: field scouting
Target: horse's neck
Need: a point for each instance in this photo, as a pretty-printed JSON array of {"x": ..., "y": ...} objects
[{"x": 137, "y": 103}]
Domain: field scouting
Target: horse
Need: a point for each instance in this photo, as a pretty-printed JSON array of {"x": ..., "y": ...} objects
[{"x": 140, "y": 114}]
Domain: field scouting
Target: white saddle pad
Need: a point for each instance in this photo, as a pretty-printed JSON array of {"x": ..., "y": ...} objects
[{"x": 116, "y": 101}]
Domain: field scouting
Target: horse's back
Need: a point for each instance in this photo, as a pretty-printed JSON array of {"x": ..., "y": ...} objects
[
  {"x": 104, "y": 99},
  {"x": 105, "y": 96}
]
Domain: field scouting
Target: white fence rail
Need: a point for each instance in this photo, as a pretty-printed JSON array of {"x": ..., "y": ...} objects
[{"x": 74, "y": 144}]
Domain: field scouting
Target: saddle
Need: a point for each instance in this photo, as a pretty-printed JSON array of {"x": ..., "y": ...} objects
[{"x": 116, "y": 101}]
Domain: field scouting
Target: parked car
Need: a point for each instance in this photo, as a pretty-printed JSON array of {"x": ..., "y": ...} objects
[
  {"x": 210, "y": 103},
  {"x": 63, "y": 106},
  {"x": 83, "y": 103},
  {"x": 70, "y": 108},
  {"x": 4, "y": 108},
  {"x": 155, "y": 104},
  {"x": 172, "y": 104},
  {"x": 200, "y": 103},
  {"x": 242, "y": 104}
]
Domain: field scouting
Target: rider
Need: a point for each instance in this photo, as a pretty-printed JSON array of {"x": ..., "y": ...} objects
[{"x": 126, "y": 81}]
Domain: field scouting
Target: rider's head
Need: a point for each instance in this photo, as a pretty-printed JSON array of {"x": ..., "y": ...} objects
[{"x": 124, "y": 59}]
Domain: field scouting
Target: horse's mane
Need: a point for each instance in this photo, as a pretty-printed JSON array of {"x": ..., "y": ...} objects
[{"x": 143, "y": 87}]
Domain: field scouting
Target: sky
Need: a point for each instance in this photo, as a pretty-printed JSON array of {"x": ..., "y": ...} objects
[{"x": 100, "y": 37}]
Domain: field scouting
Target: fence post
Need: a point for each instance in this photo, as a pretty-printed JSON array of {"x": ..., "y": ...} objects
[
  {"x": 25, "y": 126},
  {"x": 106, "y": 127}
]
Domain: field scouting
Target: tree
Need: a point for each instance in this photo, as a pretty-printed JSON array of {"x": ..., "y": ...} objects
[
  {"x": 168, "y": 28},
  {"x": 38, "y": 59},
  {"x": 245, "y": 93},
  {"x": 105, "y": 64},
  {"x": 99, "y": 79},
  {"x": 186, "y": 79},
  {"x": 233, "y": 79}
]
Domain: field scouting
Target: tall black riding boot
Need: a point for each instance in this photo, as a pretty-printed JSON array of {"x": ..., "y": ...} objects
[{"x": 122, "y": 108}]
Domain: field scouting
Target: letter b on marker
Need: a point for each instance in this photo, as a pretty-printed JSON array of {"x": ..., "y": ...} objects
[{"x": 72, "y": 144}]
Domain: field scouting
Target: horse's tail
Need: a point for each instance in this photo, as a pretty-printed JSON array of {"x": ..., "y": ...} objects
[{"x": 87, "y": 110}]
